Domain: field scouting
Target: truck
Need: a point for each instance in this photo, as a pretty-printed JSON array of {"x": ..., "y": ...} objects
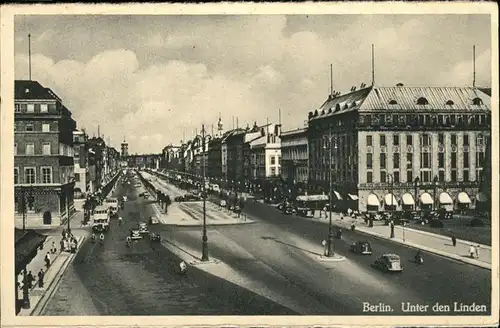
[
  {"x": 100, "y": 219},
  {"x": 112, "y": 204}
]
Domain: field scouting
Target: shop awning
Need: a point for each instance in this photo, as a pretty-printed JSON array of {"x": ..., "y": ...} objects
[
  {"x": 426, "y": 199},
  {"x": 373, "y": 200},
  {"x": 463, "y": 198},
  {"x": 337, "y": 195},
  {"x": 445, "y": 199},
  {"x": 353, "y": 197},
  {"x": 481, "y": 197},
  {"x": 408, "y": 199},
  {"x": 390, "y": 200},
  {"x": 26, "y": 246}
]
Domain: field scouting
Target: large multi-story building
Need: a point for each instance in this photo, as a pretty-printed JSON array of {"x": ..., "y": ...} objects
[
  {"x": 82, "y": 175},
  {"x": 96, "y": 149},
  {"x": 294, "y": 156},
  {"x": 264, "y": 153},
  {"x": 43, "y": 156},
  {"x": 401, "y": 147},
  {"x": 171, "y": 159}
]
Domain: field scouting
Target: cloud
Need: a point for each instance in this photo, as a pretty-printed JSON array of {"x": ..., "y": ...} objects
[{"x": 154, "y": 80}]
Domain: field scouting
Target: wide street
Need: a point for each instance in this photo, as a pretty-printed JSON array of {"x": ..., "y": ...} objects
[{"x": 278, "y": 256}]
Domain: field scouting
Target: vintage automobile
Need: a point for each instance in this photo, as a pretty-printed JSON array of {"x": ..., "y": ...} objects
[
  {"x": 143, "y": 228},
  {"x": 155, "y": 237},
  {"x": 135, "y": 234},
  {"x": 153, "y": 220},
  {"x": 388, "y": 263},
  {"x": 361, "y": 247}
]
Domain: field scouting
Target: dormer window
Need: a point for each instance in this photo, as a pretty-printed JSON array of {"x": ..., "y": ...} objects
[
  {"x": 450, "y": 103},
  {"x": 393, "y": 102},
  {"x": 330, "y": 111},
  {"x": 477, "y": 101},
  {"x": 422, "y": 101},
  {"x": 337, "y": 107},
  {"x": 346, "y": 106}
]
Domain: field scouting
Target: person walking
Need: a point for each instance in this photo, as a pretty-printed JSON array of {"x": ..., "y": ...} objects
[
  {"x": 477, "y": 251},
  {"x": 47, "y": 260},
  {"x": 454, "y": 240},
  {"x": 54, "y": 248},
  {"x": 41, "y": 276},
  {"x": 472, "y": 251},
  {"x": 30, "y": 280},
  {"x": 61, "y": 243},
  {"x": 392, "y": 229}
]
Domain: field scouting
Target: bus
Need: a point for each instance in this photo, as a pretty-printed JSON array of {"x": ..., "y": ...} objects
[
  {"x": 100, "y": 219},
  {"x": 112, "y": 204}
]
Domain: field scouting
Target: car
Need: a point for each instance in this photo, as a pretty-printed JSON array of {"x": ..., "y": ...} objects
[
  {"x": 143, "y": 228},
  {"x": 124, "y": 198},
  {"x": 388, "y": 263},
  {"x": 135, "y": 234},
  {"x": 153, "y": 220},
  {"x": 361, "y": 247},
  {"x": 154, "y": 237}
]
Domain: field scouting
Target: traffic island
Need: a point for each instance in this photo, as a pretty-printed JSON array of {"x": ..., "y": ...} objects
[
  {"x": 200, "y": 262},
  {"x": 334, "y": 258}
]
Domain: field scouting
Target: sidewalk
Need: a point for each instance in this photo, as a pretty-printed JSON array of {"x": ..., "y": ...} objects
[
  {"x": 426, "y": 241},
  {"x": 59, "y": 262}
]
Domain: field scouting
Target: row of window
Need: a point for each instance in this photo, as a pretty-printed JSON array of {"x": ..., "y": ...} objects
[
  {"x": 32, "y": 108},
  {"x": 425, "y": 139},
  {"x": 29, "y": 149},
  {"x": 413, "y": 120},
  {"x": 425, "y": 160},
  {"x": 425, "y": 176},
  {"x": 45, "y": 127},
  {"x": 30, "y": 175}
]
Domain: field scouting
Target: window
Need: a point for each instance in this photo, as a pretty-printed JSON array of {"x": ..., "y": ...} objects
[
  {"x": 395, "y": 160},
  {"x": 369, "y": 161},
  {"x": 480, "y": 159},
  {"x": 46, "y": 175},
  {"x": 454, "y": 139},
  {"x": 453, "y": 175},
  {"x": 44, "y": 108},
  {"x": 450, "y": 103},
  {"x": 466, "y": 139},
  {"x": 30, "y": 108},
  {"x": 273, "y": 171},
  {"x": 426, "y": 160},
  {"x": 396, "y": 177},
  {"x": 409, "y": 140},
  {"x": 453, "y": 160},
  {"x": 16, "y": 175},
  {"x": 422, "y": 101},
  {"x": 409, "y": 161},
  {"x": 440, "y": 120},
  {"x": 480, "y": 139},
  {"x": 395, "y": 140},
  {"x": 393, "y": 102},
  {"x": 29, "y": 175},
  {"x": 382, "y": 140},
  {"x": 383, "y": 176},
  {"x": 426, "y": 140},
  {"x": 29, "y": 128},
  {"x": 273, "y": 160},
  {"x": 409, "y": 176},
  {"x": 45, "y": 127},
  {"x": 425, "y": 176},
  {"x": 369, "y": 177},
  {"x": 441, "y": 175},
  {"x": 17, "y": 108},
  {"x": 466, "y": 159},
  {"x": 477, "y": 101},
  {"x": 382, "y": 161},
  {"x": 30, "y": 148},
  {"x": 369, "y": 140},
  {"x": 441, "y": 138},
  {"x": 466, "y": 176},
  {"x": 441, "y": 160},
  {"x": 453, "y": 119},
  {"x": 30, "y": 202},
  {"x": 46, "y": 148}
]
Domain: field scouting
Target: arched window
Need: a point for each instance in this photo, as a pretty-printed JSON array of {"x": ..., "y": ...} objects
[
  {"x": 353, "y": 104},
  {"x": 477, "y": 101},
  {"x": 337, "y": 107},
  {"x": 330, "y": 111},
  {"x": 422, "y": 101},
  {"x": 393, "y": 102},
  {"x": 450, "y": 103},
  {"x": 346, "y": 106},
  {"x": 323, "y": 112}
]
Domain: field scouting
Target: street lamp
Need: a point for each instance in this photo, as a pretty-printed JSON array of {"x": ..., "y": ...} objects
[
  {"x": 331, "y": 139},
  {"x": 416, "y": 182},
  {"x": 435, "y": 183},
  {"x": 390, "y": 177},
  {"x": 204, "y": 253}
]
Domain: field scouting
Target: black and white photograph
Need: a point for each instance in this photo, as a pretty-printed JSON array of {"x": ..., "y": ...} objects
[{"x": 337, "y": 163}]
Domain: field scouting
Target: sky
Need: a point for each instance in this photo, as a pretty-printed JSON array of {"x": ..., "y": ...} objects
[{"x": 154, "y": 80}]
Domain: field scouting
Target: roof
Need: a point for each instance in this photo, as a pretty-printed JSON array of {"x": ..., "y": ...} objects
[
  {"x": 26, "y": 89},
  {"x": 438, "y": 99},
  {"x": 486, "y": 90},
  {"x": 293, "y": 132},
  {"x": 344, "y": 103}
]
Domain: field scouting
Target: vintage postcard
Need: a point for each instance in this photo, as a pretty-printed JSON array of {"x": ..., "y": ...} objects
[{"x": 234, "y": 164}]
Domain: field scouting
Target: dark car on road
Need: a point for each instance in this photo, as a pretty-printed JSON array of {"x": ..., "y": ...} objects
[
  {"x": 388, "y": 263},
  {"x": 361, "y": 247}
]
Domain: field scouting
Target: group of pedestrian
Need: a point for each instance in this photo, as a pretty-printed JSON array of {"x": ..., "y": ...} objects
[
  {"x": 28, "y": 280},
  {"x": 474, "y": 251},
  {"x": 68, "y": 241}
]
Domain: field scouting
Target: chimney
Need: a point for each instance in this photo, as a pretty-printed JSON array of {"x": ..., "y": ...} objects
[{"x": 277, "y": 130}]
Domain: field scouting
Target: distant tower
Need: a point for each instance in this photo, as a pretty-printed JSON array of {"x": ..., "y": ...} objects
[
  {"x": 124, "y": 149},
  {"x": 220, "y": 127}
]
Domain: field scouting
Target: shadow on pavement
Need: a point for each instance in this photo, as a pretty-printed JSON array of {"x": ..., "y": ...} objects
[{"x": 283, "y": 243}]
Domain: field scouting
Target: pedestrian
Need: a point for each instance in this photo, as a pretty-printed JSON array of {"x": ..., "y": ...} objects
[
  {"x": 477, "y": 251},
  {"x": 63, "y": 234},
  {"x": 454, "y": 240},
  {"x": 47, "y": 260},
  {"x": 54, "y": 248},
  {"x": 30, "y": 280},
  {"x": 41, "y": 275},
  {"x": 472, "y": 251},
  {"x": 325, "y": 248},
  {"x": 392, "y": 229},
  {"x": 61, "y": 243}
]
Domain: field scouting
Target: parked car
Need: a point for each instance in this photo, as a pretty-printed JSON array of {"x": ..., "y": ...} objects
[
  {"x": 143, "y": 228},
  {"x": 155, "y": 237},
  {"x": 361, "y": 247},
  {"x": 388, "y": 263},
  {"x": 135, "y": 234},
  {"x": 153, "y": 220}
]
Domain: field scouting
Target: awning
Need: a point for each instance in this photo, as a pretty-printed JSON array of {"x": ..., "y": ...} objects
[
  {"x": 445, "y": 199},
  {"x": 481, "y": 197},
  {"x": 426, "y": 199},
  {"x": 353, "y": 197},
  {"x": 463, "y": 198},
  {"x": 390, "y": 200},
  {"x": 408, "y": 199},
  {"x": 373, "y": 200},
  {"x": 26, "y": 246},
  {"x": 336, "y": 193}
]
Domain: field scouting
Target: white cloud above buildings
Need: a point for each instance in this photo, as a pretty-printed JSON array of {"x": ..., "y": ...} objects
[{"x": 154, "y": 78}]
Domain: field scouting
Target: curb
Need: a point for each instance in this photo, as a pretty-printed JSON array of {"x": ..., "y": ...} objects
[{"x": 47, "y": 296}]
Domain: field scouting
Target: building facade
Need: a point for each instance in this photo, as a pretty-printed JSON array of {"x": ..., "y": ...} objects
[
  {"x": 43, "y": 156},
  {"x": 82, "y": 174},
  {"x": 402, "y": 148},
  {"x": 294, "y": 156}
]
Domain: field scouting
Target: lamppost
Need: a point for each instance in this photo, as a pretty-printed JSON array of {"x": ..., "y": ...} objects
[
  {"x": 415, "y": 183},
  {"x": 331, "y": 139},
  {"x": 390, "y": 177},
  {"x": 435, "y": 185},
  {"x": 71, "y": 180},
  {"x": 204, "y": 253}
]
